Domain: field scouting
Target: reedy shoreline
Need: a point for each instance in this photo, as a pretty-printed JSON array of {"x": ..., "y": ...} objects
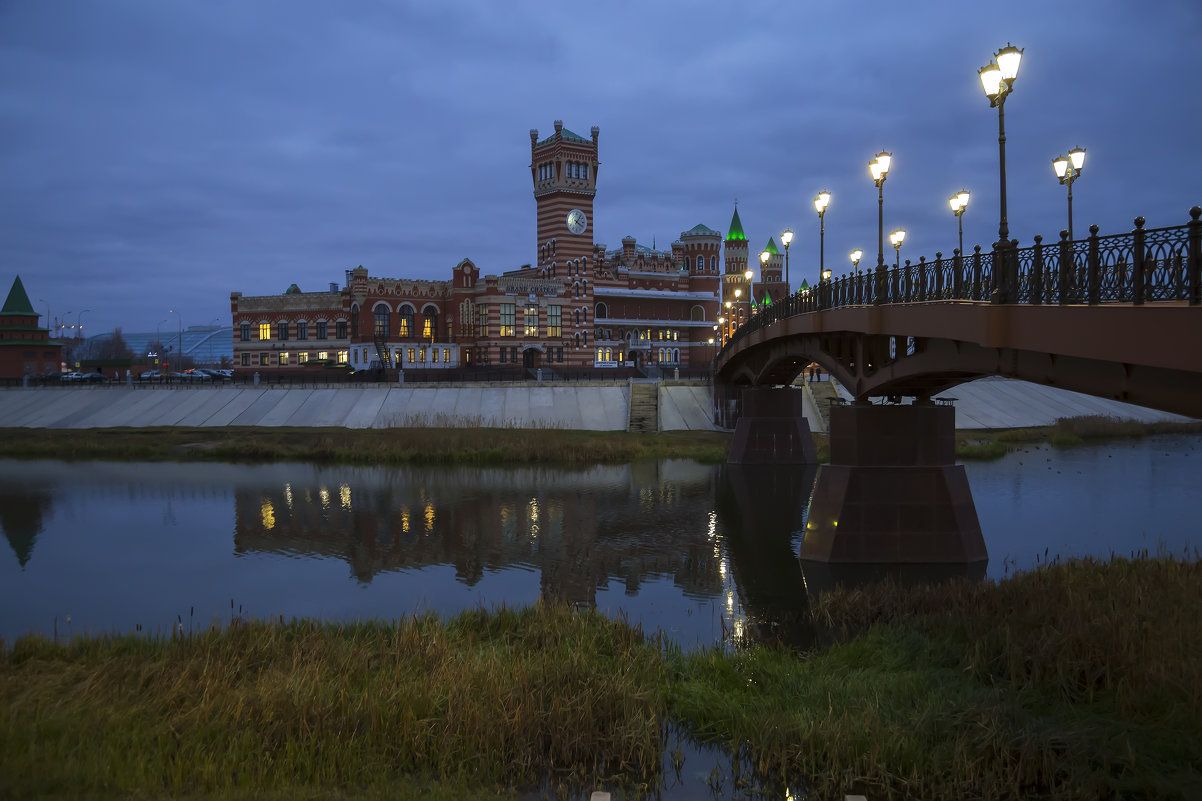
[{"x": 1079, "y": 680}]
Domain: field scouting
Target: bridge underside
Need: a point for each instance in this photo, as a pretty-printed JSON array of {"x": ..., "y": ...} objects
[{"x": 1146, "y": 356}]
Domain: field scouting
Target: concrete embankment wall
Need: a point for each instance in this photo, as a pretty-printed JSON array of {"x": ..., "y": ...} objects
[
  {"x": 985, "y": 403},
  {"x": 593, "y": 407}
]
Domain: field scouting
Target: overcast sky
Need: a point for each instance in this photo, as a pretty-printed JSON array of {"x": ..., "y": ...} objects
[{"x": 156, "y": 155}]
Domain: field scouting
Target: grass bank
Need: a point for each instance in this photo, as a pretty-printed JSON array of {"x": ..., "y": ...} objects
[
  {"x": 464, "y": 446},
  {"x": 1075, "y": 681},
  {"x": 1068, "y": 432}
]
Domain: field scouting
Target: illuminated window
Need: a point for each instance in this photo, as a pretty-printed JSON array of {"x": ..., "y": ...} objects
[
  {"x": 381, "y": 321},
  {"x": 302, "y": 357},
  {"x": 264, "y": 359},
  {"x": 446, "y": 355},
  {"x": 429, "y": 323},
  {"x": 531, "y": 316},
  {"x": 406, "y": 316},
  {"x": 412, "y": 353},
  {"x": 600, "y": 354},
  {"x": 323, "y": 355},
  {"x": 508, "y": 319},
  {"x": 467, "y": 356},
  {"x": 421, "y": 354},
  {"x": 396, "y": 357},
  {"x": 554, "y": 321},
  {"x": 343, "y": 356},
  {"x": 264, "y": 331},
  {"x": 434, "y": 355},
  {"x": 283, "y": 358}
]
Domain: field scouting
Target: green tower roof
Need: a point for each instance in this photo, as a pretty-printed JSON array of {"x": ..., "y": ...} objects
[
  {"x": 736, "y": 229},
  {"x": 771, "y": 247},
  {"x": 18, "y": 301}
]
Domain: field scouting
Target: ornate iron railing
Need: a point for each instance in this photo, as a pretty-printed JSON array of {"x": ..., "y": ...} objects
[{"x": 1143, "y": 266}]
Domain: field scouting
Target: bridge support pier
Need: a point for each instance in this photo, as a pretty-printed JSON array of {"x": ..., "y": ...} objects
[
  {"x": 772, "y": 429},
  {"x": 892, "y": 493}
]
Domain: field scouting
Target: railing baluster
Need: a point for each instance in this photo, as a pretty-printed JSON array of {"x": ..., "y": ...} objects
[
  {"x": 1195, "y": 256},
  {"x": 939, "y": 275},
  {"x": 1037, "y": 272},
  {"x": 1066, "y": 260},
  {"x": 1137, "y": 254},
  {"x": 976, "y": 272}
]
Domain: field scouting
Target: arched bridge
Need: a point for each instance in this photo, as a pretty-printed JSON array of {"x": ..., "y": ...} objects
[{"x": 1117, "y": 317}]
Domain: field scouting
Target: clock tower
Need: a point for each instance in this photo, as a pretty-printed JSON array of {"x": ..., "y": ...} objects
[{"x": 564, "y": 170}]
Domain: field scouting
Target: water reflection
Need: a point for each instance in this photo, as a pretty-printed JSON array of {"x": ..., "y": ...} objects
[{"x": 22, "y": 518}]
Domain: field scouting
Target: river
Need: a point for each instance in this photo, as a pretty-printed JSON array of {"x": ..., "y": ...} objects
[{"x": 702, "y": 552}]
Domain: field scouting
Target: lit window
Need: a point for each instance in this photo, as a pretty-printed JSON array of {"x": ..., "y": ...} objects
[
  {"x": 434, "y": 355},
  {"x": 264, "y": 331},
  {"x": 428, "y": 319},
  {"x": 554, "y": 321},
  {"x": 531, "y": 320},
  {"x": 406, "y": 320},
  {"x": 302, "y": 357},
  {"x": 283, "y": 358},
  {"x": 343, "y": 356},
  {"x": 264, "y": 359},
  {"x": 421, "y": 354},
  {"x": 381, "y": 321},
  {"x": 411, "y": 354},
  {"x": 446, "y": 355},
  {"x": 323, "y": 355},
  {"x": 508, "y": 319}
]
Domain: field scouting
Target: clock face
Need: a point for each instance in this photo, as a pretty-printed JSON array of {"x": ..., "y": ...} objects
[{"x": 577, "y": 221}]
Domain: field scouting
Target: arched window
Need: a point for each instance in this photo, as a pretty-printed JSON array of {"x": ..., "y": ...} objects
[
  {"x": 354, "y": 321},
  {"x": 576, "y": 316},
  {"x": 601, "y": 312},
  {"x": 429, "y": 322},
  {"x": 713, "y": 264},
  {"x": 467, "y": 318},
  {"x": 676, "y": 355},
  {"x": 700, "y": 263},
  {"x": 382, "y": 321},
  {"x": 697, "y": 313},
  {"x": 406, "y": 320}
]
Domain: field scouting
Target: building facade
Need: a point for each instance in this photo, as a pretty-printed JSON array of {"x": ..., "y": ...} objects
[
  {"x": 26, "y": 348},
  {"x": 578, "y": 304}
]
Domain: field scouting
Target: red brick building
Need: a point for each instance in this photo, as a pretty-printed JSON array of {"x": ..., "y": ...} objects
[
  {"x": 25, "y": 347},
  {"x": 578, "y": 304}
]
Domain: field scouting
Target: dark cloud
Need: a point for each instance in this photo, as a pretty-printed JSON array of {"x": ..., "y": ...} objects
[{"x": 159, "y": 155}]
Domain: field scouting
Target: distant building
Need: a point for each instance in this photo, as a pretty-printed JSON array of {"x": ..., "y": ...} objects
[
  {"x": 25, "y": 347},
  {"x": 578, "y": 305}
]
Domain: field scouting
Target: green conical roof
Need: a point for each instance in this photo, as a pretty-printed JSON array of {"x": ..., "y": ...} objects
[
  {"x": 804, "y": 285},
  {"x": 767, "y": 300},
  {"x": 771, "y": 247},
  {"x": 736, "y": 229},
  {"x": 18, "y": 301}
]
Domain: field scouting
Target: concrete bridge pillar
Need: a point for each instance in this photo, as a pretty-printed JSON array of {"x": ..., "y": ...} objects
[
  {"x": 892, "y": 492},
  {"x": 772, "y": 429}
]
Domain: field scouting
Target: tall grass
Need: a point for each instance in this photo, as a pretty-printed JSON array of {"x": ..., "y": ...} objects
[{"x": 485, "y": 699}]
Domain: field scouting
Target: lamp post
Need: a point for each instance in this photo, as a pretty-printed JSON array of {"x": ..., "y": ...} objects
[
  {"x": 959, "y": 202},
  {"x": 997, "y": 80},
  {"x": 896, "y": 238},
  {"x": 1068, "y": 170},
  {"x": 179, "y": 346},
  {"x": 722, "y": 322},
  {"x": 47, "y": 313},
  {"x": 879, "y": 169},
  {"x": 79, "y": 323},
  {"x": 820, "y": 203},
  {"x": 786, "y": 238},
  {"x": 855, "y": 257}
]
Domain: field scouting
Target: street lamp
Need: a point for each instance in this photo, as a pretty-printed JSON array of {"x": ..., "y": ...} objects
[
  {"x": 958, "y": 203},
  {"x": 896, "y": 238},
  {"x": 786, "y": 237},
  {"x": 1068, "y": 170},
  {"x": 820, "y": 203},
  {"x": 79, "y": 323},
  {"x": 855, "y": 257},
  {"x": 179, "y": 351},
  {"x": 997, "y": 80},
  {"x": 879, "y": 168}
]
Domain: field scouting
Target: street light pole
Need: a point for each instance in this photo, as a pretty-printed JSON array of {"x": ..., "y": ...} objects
[
  {"x": 958, "y": 203},
  {"x": 820, "y": 203},
  {"x": 896, "y": 238},
  {"x": 1068, "y": 170},
  {"x": 786, "y": 237},
  {"x": 879, "y": 169},
  {"x": 179, "y": 345},
  {"x": 997, "y": 80}
]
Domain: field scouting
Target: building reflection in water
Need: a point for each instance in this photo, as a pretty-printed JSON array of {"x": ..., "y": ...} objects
[
  {"x": 578, "y": 530},
  {"x": 23, "y": 513}
]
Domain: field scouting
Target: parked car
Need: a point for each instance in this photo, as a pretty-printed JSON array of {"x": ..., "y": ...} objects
[
  {"x": 196, "y": 375},
  {"x": 92, "y": 378},
  {"x": 151, "y": 375},
  {"x": 51, "y": 377}
]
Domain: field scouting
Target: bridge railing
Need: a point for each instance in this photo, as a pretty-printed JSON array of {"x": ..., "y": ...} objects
[{"x": 1143, "y": 266}]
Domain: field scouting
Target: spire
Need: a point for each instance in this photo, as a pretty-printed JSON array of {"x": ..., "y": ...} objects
[
  {"x": 18, "y": 301},
  {"x": 736, "y": 229},
  {"x": 771, "y": 247}
]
